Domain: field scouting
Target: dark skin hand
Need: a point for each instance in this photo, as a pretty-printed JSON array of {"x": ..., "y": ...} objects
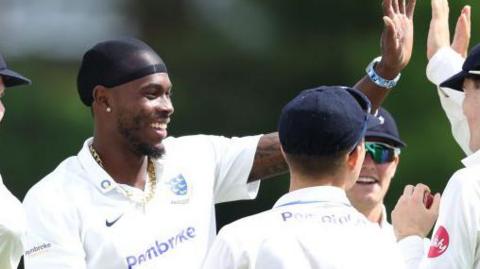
[{"x": 396, "y": 46}]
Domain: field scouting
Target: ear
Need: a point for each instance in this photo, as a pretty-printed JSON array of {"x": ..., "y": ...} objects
[
  {"x": 356, "y": 156},
  {"x": 284, "y": 155},
  {"x": 396, "y": 160},
  {"x": 395, "y": 163},
  {"x": 283, "y": 152},
  {"x": 101, "y": 97}
]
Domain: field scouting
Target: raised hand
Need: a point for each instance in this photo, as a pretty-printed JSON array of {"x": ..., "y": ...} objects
[
  {"x": 397, "y": 37},
  {"x": 396, "y": 46},
  {"x": 461, "y": 39},
  {"x": 439, "y": 32}
]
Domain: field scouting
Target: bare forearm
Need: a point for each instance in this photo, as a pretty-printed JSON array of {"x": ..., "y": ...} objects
[
  {"x": 268, "y": 161},
  {"x": 375, "y": 94}
]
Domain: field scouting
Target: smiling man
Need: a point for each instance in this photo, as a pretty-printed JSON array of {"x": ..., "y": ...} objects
[
  {"x": 135, "y": 198},
  {"x": 382, "y": 144}
]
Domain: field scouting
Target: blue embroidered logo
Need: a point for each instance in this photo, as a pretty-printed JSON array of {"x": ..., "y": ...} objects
[
  {"x": 106, "y": 184},
  {"x": 160, "y": 247},
  {"x": 178, "y": 185}
]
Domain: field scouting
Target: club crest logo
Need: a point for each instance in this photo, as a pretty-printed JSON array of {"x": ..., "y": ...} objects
[
  {"x": 180, "y": 188},
  {"x": 178, "y": 185},
  {"x": 381, "y": 119},
  {"x": 440, "y": 243},
  {"x": 106, "y": 184}
]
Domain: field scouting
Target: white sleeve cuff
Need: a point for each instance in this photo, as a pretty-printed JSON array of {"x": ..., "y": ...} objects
[
  {"x": 412, "y": 247},
  {"x": 444, "y": 64},
  {"x": 233, "y": 182}
]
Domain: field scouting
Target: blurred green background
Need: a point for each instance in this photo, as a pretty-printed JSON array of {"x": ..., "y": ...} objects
[{"x": 233, "y": 63}]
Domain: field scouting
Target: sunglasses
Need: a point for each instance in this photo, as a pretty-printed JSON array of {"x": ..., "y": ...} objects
[{"x": 381, "y": 152}]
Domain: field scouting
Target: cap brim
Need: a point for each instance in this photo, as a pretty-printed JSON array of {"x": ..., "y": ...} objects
[
  {"x": 12, "y": 78},
  {"x": 389, "y": 138},
  {"x": 455, "y": 82}
]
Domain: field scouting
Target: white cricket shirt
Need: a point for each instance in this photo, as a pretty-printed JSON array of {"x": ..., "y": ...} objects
[
  {"x": 314, "y": 227},
  {"x": 385, "y": 226},
  {"x": 12, "y": 229},
  {"x": 78, "y": 216},
  {"x": 387, "y": 229},
  {"x": 444, "y": 64},
  {"x": 455, "y": 242}
]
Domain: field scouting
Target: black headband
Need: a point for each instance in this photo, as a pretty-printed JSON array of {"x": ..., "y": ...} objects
[
  {"x": 115, "y": 62},
  {"x": 145, "y": 71}
]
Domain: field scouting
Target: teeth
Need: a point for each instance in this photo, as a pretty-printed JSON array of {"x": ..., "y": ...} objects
[
  {"x": 158, "y": 125},
  {"x": 366, "y": 180}
]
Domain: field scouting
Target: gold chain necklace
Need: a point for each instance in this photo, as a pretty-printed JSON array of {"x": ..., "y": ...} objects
[{"x": 150, "y": 184}]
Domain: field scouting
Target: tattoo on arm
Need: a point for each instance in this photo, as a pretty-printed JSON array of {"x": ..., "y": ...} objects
[{"x": 268, "y": 160}]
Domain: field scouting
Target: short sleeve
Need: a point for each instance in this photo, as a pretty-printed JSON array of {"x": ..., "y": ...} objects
[
  {"x": 12, "y": 229},
  {"x": 53, "y": 237},
  {"x": 234, "y": 159}
]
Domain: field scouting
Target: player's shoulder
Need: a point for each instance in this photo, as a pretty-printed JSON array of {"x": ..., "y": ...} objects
[
  {"x": 464, "y": 181},
  {"x": 188, "y": 142},
  {"x": 187, "y": 149},
  {"x": 205, "y": 147},
  {"x": 466, "y": 176},
  {"x": 57, "y": 184},
  {"x": 200, "y": 140},
  {"x": 251, "y": 226},
  {"x": 173, "y": 140}
]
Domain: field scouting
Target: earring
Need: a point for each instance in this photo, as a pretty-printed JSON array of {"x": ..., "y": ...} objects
[{"x": 109, "y": 109}]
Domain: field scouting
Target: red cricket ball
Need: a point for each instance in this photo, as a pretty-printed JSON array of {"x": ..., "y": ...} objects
[{"x": 427, "y": 199}]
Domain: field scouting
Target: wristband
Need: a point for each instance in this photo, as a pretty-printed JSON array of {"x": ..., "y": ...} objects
[{"x": 377, "y": 79}]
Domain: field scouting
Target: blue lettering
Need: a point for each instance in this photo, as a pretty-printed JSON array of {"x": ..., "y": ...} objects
[
  {"x": 160, "y": 249},
  {"x": 344, "y": 219},
  {"x": 181, "y": 237},
  {"x": 131, "y": 261},
  {"x": 149, "y": 252},
  {"x": 286, "y": 215},
  {"x": 298, "y": 216},
  {"x": 327, "y": 219},
  {"x": 170, "y": 241},
  {"x": 191, "y": 232},
  {"x": 141, "y": 259}
]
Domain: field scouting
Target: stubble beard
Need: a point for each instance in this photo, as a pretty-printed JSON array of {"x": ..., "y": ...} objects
[{"x": 130, "y": 129}]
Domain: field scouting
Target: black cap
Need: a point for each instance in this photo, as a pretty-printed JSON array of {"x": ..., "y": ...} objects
[
  {"x": 324, "y": 121},
  {"x": 115, "y": 62},
  {"x": 11, "y": 78},
  {"x": 470, "y": 68},
  {"x": 387, "y": 130}
]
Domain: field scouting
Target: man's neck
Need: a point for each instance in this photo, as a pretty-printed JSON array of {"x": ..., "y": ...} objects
[
  {"x": 121, "y": 163},
  {"x": 299, "y": 181},
  {"x": 373, "y": 213}
]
